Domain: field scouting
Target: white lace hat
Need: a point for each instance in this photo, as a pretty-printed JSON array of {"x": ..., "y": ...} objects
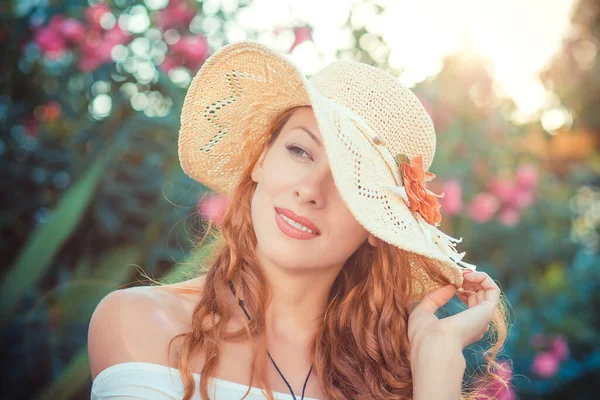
[{"x": 377, "y": 135}]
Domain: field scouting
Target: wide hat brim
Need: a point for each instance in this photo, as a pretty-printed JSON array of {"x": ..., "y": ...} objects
[{"x": 228, "y": 110}]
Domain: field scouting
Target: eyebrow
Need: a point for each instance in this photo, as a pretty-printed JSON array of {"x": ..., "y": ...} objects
[{"x": 312, "y": 135}]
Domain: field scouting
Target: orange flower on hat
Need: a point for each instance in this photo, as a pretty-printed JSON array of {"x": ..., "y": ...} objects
[{"x": 421, "y": 200}]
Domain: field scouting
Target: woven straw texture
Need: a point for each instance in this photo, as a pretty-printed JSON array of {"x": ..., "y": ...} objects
[{"x": 365, "y": 115}]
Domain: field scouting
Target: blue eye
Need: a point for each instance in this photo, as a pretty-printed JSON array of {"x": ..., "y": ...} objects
[{"x": 297, "y": 151}]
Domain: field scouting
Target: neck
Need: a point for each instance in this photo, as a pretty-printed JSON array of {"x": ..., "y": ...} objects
[{"x": 298, "y": 299}]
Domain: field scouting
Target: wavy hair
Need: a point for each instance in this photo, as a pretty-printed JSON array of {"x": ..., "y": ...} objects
[{"x": 360, "y": 350}]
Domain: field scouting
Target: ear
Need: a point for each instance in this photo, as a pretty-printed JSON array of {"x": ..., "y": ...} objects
[
  {"x": 257, "y": 167},
  {"x": 372, "y": 240}
]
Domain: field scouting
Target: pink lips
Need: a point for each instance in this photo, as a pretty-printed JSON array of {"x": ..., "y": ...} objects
[{"x": 292, "y": 231}]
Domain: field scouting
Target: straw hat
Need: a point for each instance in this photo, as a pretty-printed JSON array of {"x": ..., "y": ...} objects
[{"x": 377, "y": 135}]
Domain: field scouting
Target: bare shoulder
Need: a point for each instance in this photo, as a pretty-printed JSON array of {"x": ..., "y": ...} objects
[
  {"x": 115, "y": 328},
  {"x": 137, "y": 324}
]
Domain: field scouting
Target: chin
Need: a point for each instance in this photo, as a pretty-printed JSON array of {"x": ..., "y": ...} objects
[{"x": 289, "y": 259}]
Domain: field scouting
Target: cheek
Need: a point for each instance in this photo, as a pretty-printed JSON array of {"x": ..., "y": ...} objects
[
  {"x": 277, "y": 174},
  {"x": 261, "y": 210},
  {"x": 273, "y": 180},
  {"x": 344, "y": 225}
]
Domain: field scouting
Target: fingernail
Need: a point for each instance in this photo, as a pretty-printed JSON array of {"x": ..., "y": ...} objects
[{"x": 467, "y": 271}]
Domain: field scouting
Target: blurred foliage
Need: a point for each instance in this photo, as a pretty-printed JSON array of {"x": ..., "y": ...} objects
[
  {"x": 92, "y": 190},
  {"x": 574, "y": 74}
]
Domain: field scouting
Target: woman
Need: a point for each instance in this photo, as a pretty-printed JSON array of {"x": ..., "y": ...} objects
[{"x": 329, "y": 266}]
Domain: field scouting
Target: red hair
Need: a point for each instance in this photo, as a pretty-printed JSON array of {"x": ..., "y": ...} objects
[{"x": 361, "y": 348}]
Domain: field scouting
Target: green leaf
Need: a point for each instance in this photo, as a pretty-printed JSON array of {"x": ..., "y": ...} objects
[
  {"x": 71, "y": 380},
  {"x": 118, "y": 265},
  {"x": 83, "y": 268},
  {"x": 76, "y": 301},
  {"x": 400, "y": 158},
  {"x": 47, "y": 239},
  {"x": 187, "y": 269}
]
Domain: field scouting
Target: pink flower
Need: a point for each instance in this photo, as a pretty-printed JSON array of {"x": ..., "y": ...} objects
[
  {"x": 302, "y": 33},
  {"x": 58, "y": 35},
  {"x": 483, "y": 207},
  {"x": 88, "y": 63},
  {"x": 560, "y": 348},
  {"x": 497, "y": 390},
  {"x": 94, "y": 14},
  {"x": 545, "y": 364},
  {"x": 504, "y": 189},
  {"x": 176, "y": 14},
  {"x": 527, "y": 176},
  {"x": 89, "y": 57},
  {"x": 212, "y": 207},
  {"x": 55, "y": 22},
  {"x": 112, "y": 37},
  {"x": 452, "y": 202},
  {"x": 50, "y": 42},
  {"x": 522, "y": 198},
  {"x": 169, "y": 63},
  {"x": 505, "y": 370},
  {"x": 192, "y": 50},
  {"x": 509, "y": 216},
  {"x": 96, "y": 49},
  {"x": 72, "y": 30},
  {"x": 188, "y": 51},
  {"x": 538, "y": 340},
  {"x": 31, "y": 127}
]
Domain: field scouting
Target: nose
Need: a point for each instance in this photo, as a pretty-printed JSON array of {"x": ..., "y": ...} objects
[{"x": 313, "y": 188}]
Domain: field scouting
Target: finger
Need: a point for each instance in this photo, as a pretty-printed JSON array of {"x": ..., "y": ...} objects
[
  {"x": 473, "y": 322},
  {"x": 491, "y": 290},
  {"x": 472, "y": 301},
  {"x": 480, "y": 278},
  {"x": 468, "y": 285},
  {"x": 463, "y": 297},
  {"x": 480, "y": 312},
  {"x": 480, "y": 296},
  {"x": 466, "y": 294},
  {"x": 462, "y": 294},
  {"x": 436, "y": 298}
]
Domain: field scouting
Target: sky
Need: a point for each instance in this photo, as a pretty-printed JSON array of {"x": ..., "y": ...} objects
[{"x": 518, "y": 36}]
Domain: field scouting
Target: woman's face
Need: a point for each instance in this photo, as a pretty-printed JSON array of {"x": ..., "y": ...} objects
[{"x": 294, "y": 176}]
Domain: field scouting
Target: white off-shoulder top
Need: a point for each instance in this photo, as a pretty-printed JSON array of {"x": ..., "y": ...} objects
[{"x": 142, "y": 380}]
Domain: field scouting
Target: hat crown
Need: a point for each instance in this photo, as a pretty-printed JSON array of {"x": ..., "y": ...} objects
[{"x": 390, "y": 109}]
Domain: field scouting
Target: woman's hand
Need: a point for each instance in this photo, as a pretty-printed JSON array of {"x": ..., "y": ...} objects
[
  {"x": 436, "y": 344},
  {"x": 479, "y": 292}
]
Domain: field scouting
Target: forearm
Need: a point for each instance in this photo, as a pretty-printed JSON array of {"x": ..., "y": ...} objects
[{"x": 437, "y": 370}]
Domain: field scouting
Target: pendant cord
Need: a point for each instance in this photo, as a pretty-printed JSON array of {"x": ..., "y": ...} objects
[{"x": 241, "y": 303}]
